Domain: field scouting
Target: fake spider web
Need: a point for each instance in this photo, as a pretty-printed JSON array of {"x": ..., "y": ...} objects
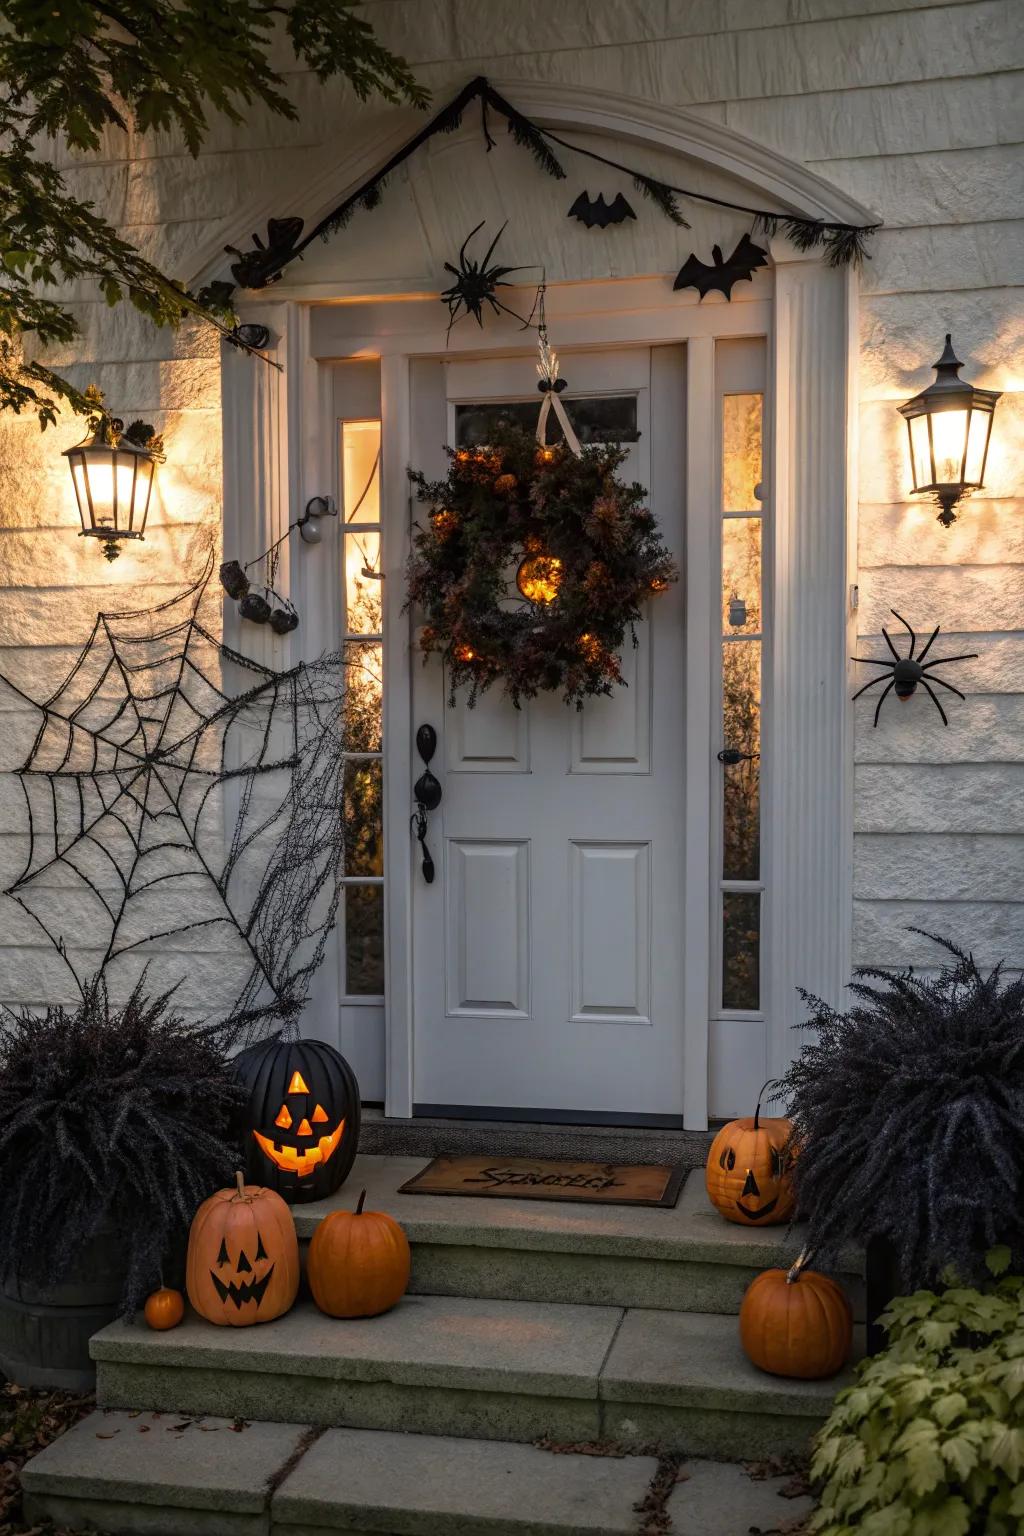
[{"x": 177, "y": 787}]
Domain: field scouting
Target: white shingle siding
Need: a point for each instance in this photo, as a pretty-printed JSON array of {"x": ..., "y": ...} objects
[{"x": 913, "y": 108}]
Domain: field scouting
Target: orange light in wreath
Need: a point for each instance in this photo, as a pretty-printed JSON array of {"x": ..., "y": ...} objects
[
  {"x": 444, "y": 522},
  {"x": 539, "y": 578},
  {"x": 590, "y": 648},
  {"x": 464, "y": 653},
  {"x": 659, "y": 584},
  {"x": 545, "y": 455}
]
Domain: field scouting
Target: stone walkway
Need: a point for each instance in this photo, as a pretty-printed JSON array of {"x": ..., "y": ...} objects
[{"x": 166, "y": 1475}]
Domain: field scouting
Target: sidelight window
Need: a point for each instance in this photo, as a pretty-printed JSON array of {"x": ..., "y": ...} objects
[
  {"x": 740, "y": 861},
  {"x": 362, "y": 919}
]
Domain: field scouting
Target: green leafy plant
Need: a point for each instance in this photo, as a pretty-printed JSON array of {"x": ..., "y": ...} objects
[
  {"x": 77, "y": 71},
  {"x": 909, "y": 1118},
  {"x": 112, "y": 1119},
  {"x": 929, "y": 1441}
]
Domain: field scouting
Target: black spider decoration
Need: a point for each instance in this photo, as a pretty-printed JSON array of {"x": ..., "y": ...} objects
[
  {"x": 908, "y": 671},
  {"x": 475, "y": 283}
]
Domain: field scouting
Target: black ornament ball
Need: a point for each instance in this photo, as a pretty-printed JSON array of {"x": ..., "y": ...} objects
[
  {"x": 233, "y": 579},
  {"x": 284, "y": 620},
  {"x": 301, "y": 1117},
  {"x": 255, "y": 608}
]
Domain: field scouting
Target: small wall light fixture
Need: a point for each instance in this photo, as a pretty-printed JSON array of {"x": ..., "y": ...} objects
[
  {"x": 949, "y": 424},
  {"x": 112, "y": 470},
  {"x": 309, "y": 523}
]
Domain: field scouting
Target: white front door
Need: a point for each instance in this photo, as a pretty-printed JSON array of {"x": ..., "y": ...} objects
[{"x": 547, "y": 954}]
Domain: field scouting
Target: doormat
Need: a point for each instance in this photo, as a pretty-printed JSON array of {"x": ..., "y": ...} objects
[{"x": 550, "y": 1178}]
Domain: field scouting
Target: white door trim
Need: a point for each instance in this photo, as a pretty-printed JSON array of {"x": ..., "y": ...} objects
[{"x": 275, "y": 458}]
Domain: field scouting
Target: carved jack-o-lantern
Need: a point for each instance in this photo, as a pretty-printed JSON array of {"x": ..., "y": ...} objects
[
  {"x": 747, "y": 1173},
  {"x": 243, "y": 1257},
  {"x": 302, "y": 1117}
]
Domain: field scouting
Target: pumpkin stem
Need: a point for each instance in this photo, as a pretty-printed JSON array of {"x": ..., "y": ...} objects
[
  {"x": 359, "y": 1203},
  {"x": 770, "y": 1083},
  {"x": 794, "y": 1274},
  {"x": 240, "y": 1184}
]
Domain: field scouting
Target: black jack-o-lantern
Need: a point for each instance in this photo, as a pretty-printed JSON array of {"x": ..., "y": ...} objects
[{"x": 301, "y": 1117}]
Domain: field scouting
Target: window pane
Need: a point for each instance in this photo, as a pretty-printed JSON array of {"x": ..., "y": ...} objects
[
  {"x": 363, "y": 588},
  {"x": 741, "y": 729},
  {"x": 364, "y": 691},
  {"x": 360, "y": 471},
  {"x": 741, "y": 949},
  {"x": 741, "y": 452},
  {"x": 609, "y": 419},
  {"x": 741, "y": 575},
  {"x": 364, "y": 940},
  {"x": 364, "y": 839}
]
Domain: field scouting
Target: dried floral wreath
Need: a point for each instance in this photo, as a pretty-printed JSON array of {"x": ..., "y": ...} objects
[{"x": 532, "y": 566}]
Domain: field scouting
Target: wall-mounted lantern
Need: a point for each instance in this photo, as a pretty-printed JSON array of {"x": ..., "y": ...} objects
[
  {"x": 112, "y": 471},
  {"x": 949, "y": 424}
]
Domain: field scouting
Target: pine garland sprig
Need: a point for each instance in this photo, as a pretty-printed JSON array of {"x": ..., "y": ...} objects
[
  {"x": 662, "y": 196},
  {"x": 845, "y": 244}
]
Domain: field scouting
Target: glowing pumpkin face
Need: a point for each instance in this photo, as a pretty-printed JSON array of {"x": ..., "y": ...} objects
[{"x": 302, "y": 1118}]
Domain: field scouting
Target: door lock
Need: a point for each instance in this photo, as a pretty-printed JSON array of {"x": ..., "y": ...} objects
[{"x": 427, "y": 793}]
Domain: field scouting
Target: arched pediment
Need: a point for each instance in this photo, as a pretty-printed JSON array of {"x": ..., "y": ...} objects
[{"x": 453, "y": 182}]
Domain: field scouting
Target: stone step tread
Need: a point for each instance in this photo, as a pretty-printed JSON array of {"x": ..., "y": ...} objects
[
  {"x": 126, "y": 1470},
  {"x": 166, "y": 1460},
  {"x": 511, "y": 1347},
  {"x": 692, "y": 1231}
]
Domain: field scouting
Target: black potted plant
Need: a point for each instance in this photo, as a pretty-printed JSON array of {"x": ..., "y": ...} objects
[
  {"x": 115, "y": 1122},
  {"x": 908, "y": 1114}
]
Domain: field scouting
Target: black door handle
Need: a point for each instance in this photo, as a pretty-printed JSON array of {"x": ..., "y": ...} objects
[{"x": 427, "y": 793}]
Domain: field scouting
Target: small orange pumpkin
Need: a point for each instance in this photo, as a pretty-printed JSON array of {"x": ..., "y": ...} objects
[
  {"x": 358, "y": 1263},
  {"x": 243, "y": 1256},
  {"x": 747, "y": 1173},
  {"x": 164, "y": 1309},
  {"x": 796, "y": 1322}
]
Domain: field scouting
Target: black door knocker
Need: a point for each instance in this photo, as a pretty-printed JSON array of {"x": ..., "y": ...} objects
[{"x": 427, "y": 793}]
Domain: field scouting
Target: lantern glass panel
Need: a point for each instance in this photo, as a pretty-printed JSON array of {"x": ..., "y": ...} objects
[
  {"x": 920, "y": 451},
  {"x": 977, "y": 442},
  {"x": 949, "y": 440}
]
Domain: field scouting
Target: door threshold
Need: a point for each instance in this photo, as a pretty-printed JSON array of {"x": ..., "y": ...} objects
[
  {"x": 440, "y": 1136},
  {"x": 502, "y": 1114}
]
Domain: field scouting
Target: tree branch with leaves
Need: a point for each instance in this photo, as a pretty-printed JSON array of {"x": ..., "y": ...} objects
[{"x": 74, "y": 70}]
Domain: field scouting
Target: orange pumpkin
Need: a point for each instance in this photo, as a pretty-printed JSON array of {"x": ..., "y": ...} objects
[
  {"x": 243, "y": 1256},
  {"x": 164, "y": 1309},
  {"x": 796, "y": 1323},
  {"x": 358, "y": 1263},
  {"x": 747, "y": 1173}
]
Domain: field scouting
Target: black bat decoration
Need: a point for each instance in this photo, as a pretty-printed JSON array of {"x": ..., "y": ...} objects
[
  {"x": 740, "y": 267},
  {"x": 594, "y": 210}
]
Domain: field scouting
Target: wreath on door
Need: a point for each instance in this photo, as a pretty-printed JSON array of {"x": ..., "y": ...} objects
[{"x": 532, "y": 565}]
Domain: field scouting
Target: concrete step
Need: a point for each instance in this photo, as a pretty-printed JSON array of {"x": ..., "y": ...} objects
[
  {"x": 502, "y": 1370},
  {"x": 149, "y": 1475},
  {"x": 687, "y": 1259}
]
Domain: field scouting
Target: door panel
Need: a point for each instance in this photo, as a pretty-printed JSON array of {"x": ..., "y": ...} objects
[{"x": 547, "y": 953}]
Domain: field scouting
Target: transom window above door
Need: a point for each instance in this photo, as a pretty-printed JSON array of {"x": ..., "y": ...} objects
[{"x": 594, "y": 418}]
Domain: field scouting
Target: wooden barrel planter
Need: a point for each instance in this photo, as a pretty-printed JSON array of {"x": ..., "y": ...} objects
[{"x": 45, "y": 1330}]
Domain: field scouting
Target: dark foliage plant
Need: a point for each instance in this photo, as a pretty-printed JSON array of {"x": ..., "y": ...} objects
[
  {"x": 909, "y": 1117},
  {"x": 112, "y": 1118}
]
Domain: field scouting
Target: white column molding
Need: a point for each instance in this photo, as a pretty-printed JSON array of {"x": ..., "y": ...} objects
[
  {"x": 398, "y": 735},
  {"x": 254, "y": 431},
  {"x": 270, "y": 447},
  {"x": 701, "y": 617},
  {"x": 808, "y": 754}
]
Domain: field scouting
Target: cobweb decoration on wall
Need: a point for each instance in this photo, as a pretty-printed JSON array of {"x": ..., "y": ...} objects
[{"x": 176, "y": 787}]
